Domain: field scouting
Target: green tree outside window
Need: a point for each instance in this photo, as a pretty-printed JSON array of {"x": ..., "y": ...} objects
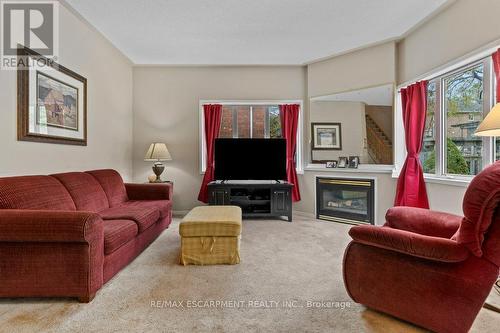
[{"x": 456, "y": 162}]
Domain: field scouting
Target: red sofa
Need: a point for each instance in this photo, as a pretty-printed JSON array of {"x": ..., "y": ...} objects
[
  {"x": 429, "y": 268},
  {"x": 67, "y": 234}
]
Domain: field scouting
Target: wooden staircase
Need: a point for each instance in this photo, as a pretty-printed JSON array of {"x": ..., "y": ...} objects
[{"x": 379, "y": 145}]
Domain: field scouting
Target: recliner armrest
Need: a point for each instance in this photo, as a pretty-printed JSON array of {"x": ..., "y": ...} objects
[
  {"x": 423, "y": 221},
  {"x": 17, "y": 225},
  {"x": 416, "y": 245},
  {"x": 160, "y": 191}
]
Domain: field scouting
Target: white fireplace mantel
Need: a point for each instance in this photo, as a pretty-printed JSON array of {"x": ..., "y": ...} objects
[{"x": 362, "y": 168}]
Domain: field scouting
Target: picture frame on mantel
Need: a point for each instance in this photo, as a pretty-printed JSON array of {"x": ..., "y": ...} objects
[
  {"x": 51, "y": 101},
  {"x": 326, "y": 136}
]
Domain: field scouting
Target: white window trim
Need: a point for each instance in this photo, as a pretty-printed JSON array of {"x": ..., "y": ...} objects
[
  {"x": 399, "y": 137},
  {"x": 300, "y": 128}
]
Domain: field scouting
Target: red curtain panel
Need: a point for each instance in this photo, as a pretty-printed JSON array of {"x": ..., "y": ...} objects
[
  {"x": 289, "y": 115},
  {"x": 496, "y": 65},
  {"x": 212, "y": 114},
  {"x": 410, "y": 190}
]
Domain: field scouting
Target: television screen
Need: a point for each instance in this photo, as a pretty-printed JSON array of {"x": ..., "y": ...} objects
[{"x": 256, "y": 159}]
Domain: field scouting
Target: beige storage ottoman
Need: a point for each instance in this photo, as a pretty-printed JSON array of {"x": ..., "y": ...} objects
[{"x": 210, "y": 235}]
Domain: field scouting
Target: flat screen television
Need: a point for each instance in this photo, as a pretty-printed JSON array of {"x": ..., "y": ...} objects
[{"x": 250, "y": 159}]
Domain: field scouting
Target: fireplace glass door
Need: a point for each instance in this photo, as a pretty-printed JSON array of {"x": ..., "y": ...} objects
[{"x": 345, "y": 200}]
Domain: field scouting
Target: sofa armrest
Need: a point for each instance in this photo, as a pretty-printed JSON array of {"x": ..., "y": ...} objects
[
  {"x": 18, "y": 225},
  {"x": 160, "y": 191},
  {"x": 51, "y": 253},
  {"x": 423, "y": 221},
  {"x": 416, "y": 245}
]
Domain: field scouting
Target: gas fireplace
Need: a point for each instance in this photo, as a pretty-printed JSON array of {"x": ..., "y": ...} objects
[{"x": 345, "y": 200}]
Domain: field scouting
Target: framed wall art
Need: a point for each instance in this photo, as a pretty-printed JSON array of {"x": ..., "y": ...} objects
[
  {"x": 52, "y": 102},
  {"x": 326, "y": 136}
]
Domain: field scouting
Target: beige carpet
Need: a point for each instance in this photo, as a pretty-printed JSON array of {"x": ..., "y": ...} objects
[{"x": 286, "y": 263}]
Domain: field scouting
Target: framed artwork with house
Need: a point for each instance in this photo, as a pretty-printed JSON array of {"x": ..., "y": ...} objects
[{"x": 51, "y": 101}]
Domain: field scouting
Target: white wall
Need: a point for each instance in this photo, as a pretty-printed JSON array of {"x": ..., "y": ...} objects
[
  {"x": 351, "y": 116},
  {"x": 166, "y": 109},
  {"x": 165, "y": 101},
  {"x": 368, "y": 67},
  {"x": 166, "y": 98},
  {"x": 109, "y": 98},
  {"x": 461, "y": 28}
]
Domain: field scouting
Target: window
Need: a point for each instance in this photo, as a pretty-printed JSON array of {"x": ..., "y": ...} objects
[
  {"x": 251, "y": 120},
  {"x": 274, "y": 123},
  {"x": 226, "y": 125},
  {"x": 428, "y": 153},
  {"x": 463, "y": 111},
  {"x": 457, "y": 102}
]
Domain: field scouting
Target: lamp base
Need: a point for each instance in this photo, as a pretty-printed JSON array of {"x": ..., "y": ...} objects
[{"x": 158, "y": 169}]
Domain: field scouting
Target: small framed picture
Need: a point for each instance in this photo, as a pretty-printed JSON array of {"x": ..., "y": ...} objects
[
  {"x": 326, "y": 136},
  {"x": 331, "y": 164},
  {"x": 353, "y": 162},
  {"x": 342, "y": 162}
]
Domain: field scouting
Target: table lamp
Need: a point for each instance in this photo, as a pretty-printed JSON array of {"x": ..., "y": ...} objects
[
  {"x": 491, "y": 124},
  {"x": 158, "y": 152}
]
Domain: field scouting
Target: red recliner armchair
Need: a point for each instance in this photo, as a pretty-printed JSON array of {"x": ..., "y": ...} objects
[{"x": 430, "y": 268}]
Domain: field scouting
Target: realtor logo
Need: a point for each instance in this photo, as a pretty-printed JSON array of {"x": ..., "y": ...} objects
[{"x": 31, "y": 24}]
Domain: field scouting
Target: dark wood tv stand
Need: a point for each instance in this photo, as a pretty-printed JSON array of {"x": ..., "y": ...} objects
[{"x": 256, "y": 198}]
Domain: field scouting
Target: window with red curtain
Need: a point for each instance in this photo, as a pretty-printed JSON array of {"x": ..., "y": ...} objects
[
  {"x": 252, "y": 120},
  {"x": 456, "y": 100}
]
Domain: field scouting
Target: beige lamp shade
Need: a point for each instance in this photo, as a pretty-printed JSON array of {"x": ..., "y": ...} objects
[
  {"x": 157, "y": 152},
  {"x": 491, "y": 124}
]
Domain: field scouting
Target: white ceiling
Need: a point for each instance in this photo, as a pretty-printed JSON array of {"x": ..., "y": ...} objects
[
  {"x": 380, "y": 95},
  {"x": 246, "y": 32}
]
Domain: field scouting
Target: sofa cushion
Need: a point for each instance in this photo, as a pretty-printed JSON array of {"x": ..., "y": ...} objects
[
  {"x": 117, "y": 233},
  {"x": 112, "y": 184},
  {"x": 164, "y": 206},
  {"x": 34, "y": 192},
  {"x": 144, "y": 217},
  {"x": 86, "y": 192}
]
